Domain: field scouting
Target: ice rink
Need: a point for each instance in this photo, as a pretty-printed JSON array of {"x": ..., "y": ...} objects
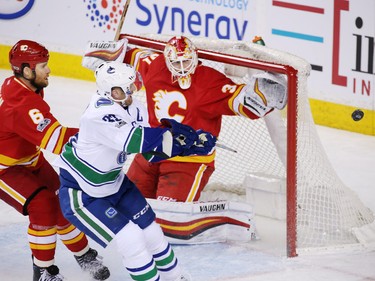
[{"x": 352, "y": 155}]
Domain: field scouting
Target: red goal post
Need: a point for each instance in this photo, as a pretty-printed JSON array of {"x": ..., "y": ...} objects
[{"x": 302, "y": 212}]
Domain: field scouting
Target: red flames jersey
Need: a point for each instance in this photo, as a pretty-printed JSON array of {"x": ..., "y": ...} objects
[
  {"x": 210, "y": 96},
  {"x": 27, "y": 126}
]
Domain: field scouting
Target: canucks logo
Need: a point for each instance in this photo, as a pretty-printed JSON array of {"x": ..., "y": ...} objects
[
  {"x": 104, "y": 14},
  {"x": 122, "y": 157},
  {"x": 111, "y": 212}
]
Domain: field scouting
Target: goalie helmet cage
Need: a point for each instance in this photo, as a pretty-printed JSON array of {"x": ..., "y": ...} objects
[{"x": 321, "y": 211}]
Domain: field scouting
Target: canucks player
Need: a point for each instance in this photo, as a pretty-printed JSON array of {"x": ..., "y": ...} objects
[{"x": 96, "y": 195}]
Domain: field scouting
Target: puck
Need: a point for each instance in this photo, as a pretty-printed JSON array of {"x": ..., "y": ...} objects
[{"x": 357, "y": 115}]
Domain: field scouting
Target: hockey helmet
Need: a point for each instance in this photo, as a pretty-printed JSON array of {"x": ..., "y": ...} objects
[
  {"x": 112, "y": 74},
  {"x": 27, "y": 53},
  {"x": 181, "y": 58}
]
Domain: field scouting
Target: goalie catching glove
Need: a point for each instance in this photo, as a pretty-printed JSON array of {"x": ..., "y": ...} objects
[{"x": 264, "y": 92}]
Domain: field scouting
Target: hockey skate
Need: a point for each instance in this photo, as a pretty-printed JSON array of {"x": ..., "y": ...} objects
[
  {"x": 50, "y": 273},
  {"x": 92, "y": 263}
]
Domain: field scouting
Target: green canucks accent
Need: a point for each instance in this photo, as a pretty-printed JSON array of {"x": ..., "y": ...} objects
[
  {"x": 90, "y": 174},
  {"x": 78, "y": 210},
  {"x": 165, "y": 261},
  {"x": 147, "y": 276},
  {"x": 136, "y": 139}
]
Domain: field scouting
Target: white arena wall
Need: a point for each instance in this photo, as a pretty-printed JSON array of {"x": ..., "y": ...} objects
[{"x": 336, "y": 37}]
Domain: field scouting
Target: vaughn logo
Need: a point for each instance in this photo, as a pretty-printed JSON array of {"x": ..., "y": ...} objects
[
  {"x": 102, "y": 45},
  {"x": 14, "y": 9},
  {"x": 212, "y": 207}
]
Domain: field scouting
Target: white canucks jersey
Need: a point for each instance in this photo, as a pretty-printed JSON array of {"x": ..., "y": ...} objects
[{"x": 108, "y": 133}]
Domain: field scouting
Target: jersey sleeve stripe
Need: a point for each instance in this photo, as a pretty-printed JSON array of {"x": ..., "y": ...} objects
[
  {"x": 53, "y": 140},
  {"x": 45, "y": 141},
  {"x": 233, "y": 101},
  {"x": 236, "y": 105},
  {"x": 60, "y": 142}
]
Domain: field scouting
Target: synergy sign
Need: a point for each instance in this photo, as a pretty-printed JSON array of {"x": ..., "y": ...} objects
[
  {"x": 222, "y": 19},
  {"x": 14, "y": 9}
]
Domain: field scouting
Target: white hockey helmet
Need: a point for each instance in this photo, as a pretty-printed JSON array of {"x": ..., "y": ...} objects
[
  {"x": 112, "y": 74},
  {"x": 181, "y": 57}
]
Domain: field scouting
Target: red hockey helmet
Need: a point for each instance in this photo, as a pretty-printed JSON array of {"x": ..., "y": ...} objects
[{"x": 27, "y": 52}]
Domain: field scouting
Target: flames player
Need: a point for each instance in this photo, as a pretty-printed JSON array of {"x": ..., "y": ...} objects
[
  {"x": 28, "y": 182},
  {"x": 180, "y": 87}
]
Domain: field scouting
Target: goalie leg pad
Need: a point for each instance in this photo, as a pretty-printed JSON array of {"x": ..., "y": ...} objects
[{"x": 205, "y": 222}]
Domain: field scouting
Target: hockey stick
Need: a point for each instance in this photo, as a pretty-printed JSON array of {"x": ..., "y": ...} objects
[
  {"x": 223, "y": 146},
  {"x": 121, "y": 22}
]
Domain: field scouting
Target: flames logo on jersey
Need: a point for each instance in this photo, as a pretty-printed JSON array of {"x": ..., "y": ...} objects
[{"x": 163, "y": 102}]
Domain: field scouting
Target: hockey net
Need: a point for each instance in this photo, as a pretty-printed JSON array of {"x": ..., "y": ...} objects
[{"x": 320, "y": 210}]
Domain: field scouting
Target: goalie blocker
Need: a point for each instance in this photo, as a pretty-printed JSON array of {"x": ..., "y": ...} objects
[{"x": 205, "y": 222}]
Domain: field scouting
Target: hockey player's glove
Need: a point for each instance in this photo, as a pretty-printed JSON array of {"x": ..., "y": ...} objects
[
  {"x": 264, "y": 92},
  {"x": 204, "y": 145},
  {"x": 98, "y": 52},
  {"x": 184, "y": 136}
]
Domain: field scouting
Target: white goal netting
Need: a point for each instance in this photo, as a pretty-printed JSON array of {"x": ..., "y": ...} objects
[{"x": 328, "y": 212}]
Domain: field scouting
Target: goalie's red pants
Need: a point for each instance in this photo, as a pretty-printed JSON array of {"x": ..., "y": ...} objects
[
  {"x": 35, "y": 193},
  {"x": 168, "y": 180}
]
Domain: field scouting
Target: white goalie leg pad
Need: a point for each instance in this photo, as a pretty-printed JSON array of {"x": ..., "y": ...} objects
[
  {"x": 205, "y": 222},
  {"x": 98, "y": 52}
]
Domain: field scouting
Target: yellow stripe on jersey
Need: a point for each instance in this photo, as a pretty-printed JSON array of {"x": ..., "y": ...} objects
[
  {"x": 74, "y": 240},
  {"x": 195, "y": 158},
  {"x": 233, "y": 100},
  {"x": 60, "y": 143},
  {"x": 134, "y": 59},
  {"x": 41, "y": 233},
  {"x": 9, "y": 161},
  {"x": 12, "y": 193},
  {"x": 196, "y": 183},
  {"x": 67, "y": 230},
  {"x": 42, "y": 247},
  {"x": 48, "y": 134}
]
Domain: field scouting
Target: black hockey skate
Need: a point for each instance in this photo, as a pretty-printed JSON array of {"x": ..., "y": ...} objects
[
  {"x": 50, "y": 273},
  {"x": 92, "y": 263}
]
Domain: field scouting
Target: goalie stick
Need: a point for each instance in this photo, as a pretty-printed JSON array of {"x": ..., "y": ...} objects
[{"x": 121, "y": 21}]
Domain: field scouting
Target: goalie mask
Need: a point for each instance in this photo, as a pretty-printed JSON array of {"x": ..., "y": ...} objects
[
  {"x": 181, "y": 57},
  {"x": 116, "y": 74},
  {"x": 26, "y": 53}
]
